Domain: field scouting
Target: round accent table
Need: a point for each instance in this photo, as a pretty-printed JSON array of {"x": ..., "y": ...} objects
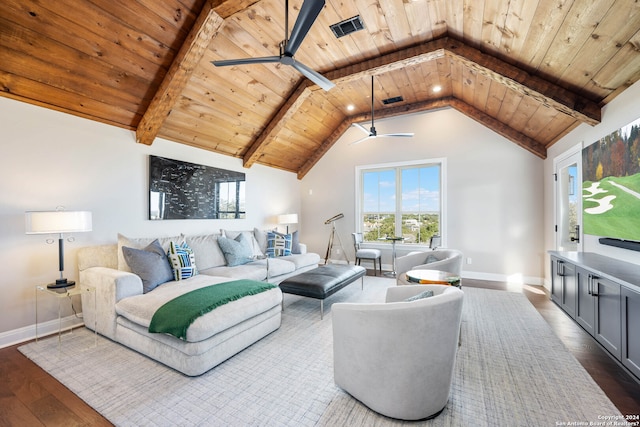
[
  {"x": 393, "y": 241},
  {"x": 433, "y": 277}
]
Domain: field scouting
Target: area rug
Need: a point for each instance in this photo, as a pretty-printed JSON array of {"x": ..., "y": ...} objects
[{"x": 511, "y": 370}]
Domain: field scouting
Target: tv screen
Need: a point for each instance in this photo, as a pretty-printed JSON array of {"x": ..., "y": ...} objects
[{"x": 611, "y": 185}]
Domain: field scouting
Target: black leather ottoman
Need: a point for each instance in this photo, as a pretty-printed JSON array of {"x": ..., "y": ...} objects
[{"x": 323, "y": 281}]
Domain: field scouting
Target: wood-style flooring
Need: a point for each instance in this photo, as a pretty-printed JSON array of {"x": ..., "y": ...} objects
[{"x": 31, "y": 397}]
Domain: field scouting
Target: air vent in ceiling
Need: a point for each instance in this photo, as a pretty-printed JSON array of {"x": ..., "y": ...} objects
[
  {"x": 347, "y": 26},
  {"x": 392, "y": 100}
]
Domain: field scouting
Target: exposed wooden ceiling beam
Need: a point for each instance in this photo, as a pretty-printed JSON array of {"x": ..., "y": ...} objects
[
  {"x": 275, "y": 125},
  {"x": 495, "y": 125},
  {"x": 382, "y": 64},
  {"x": 516, "y": 79},
  {"x": 205, "y": 28},
  {"x": 528, "y": 143}
]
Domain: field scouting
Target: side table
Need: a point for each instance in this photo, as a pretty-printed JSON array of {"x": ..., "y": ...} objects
[
  {"x": 433, "y": 277},
  {"x": 61, "y": 294},
  {"x": 393, "y": 241}
]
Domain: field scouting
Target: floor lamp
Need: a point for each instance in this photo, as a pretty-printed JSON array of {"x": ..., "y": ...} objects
[{"x": 58, "y": 222}]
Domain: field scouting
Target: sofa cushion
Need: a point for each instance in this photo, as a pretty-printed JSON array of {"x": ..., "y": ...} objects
[
  {"x": 150, "y": 264},
  {"x": 140, "y": 243},
  {"x": 278, "y": 266},
  {"x": 139, "y": 309},
  {"x": 245, "y": 271},
  {"x": 236, "y": 251},
  {"x": 278, "y": 244},
  {"x": 206, "y": 250},
  {"x": 182, "y": 260},
  {"x": 302, "y": 260}
]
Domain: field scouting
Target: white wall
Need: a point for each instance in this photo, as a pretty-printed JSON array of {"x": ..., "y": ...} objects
[
  {"x": 624, "y": 109},
  {"x": 494, "y": 191},
  {"x": 52, "y": 159},
  {"x": 500, "y": 197}
]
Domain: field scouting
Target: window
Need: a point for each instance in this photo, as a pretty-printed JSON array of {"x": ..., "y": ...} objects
[
  {"x": 401, "y": 199},
  {"x": 230, "y": 199}
]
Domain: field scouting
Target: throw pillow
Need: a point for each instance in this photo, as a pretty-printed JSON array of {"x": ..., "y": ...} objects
[
  {"x": 150, "y": 264},
  {"x": 236, "y": 251},
  {"x": 140, "y": 243},
  {"x": 295, "y": 243},
  {"x": 421, "y": 295},
  {"x": 182, "y": 260},
  {"x": 261, "y": 239},
  {"x": 278, "y": 244},
  {"x": 249, "y": 235},
  {"x": 431, "y": 258}
]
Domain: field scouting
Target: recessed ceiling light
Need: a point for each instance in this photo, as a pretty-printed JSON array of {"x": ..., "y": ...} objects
[
  {"x": 437, "y": 88},
  {"x": 350, "y": 107}
]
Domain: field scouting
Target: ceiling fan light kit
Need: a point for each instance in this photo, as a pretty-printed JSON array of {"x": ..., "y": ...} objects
[
  {"x": 372, "y": 133},
  {"x": 288, "y": 47}
]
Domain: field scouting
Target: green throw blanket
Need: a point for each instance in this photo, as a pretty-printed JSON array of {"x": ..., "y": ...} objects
[{"x": 175, "y": 316}]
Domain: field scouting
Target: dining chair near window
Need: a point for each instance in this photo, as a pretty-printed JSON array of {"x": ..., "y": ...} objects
[{"x": 368, "y": 254}]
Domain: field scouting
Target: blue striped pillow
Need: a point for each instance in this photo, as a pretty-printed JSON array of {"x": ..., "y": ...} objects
[
  {"x": 182, "y": 260},
  {"x": 278, "y": 244}
]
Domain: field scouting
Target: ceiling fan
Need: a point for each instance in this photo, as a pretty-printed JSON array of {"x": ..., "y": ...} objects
[
  {"x": 371, "y": 133},
  {"x": 308, "y": 13}
]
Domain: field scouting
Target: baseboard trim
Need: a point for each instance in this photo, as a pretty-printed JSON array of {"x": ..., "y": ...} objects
[{"x": 28, "y": 333}]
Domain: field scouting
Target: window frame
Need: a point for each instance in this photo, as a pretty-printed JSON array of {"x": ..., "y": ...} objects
[{"x": 442, "y": 161}]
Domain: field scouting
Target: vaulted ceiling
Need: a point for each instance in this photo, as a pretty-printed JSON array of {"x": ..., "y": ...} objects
[{"x": 529, "y": 70}]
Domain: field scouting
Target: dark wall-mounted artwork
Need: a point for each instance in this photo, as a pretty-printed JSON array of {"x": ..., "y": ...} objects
[
  {"x": 182, "y": 190},
  {"x": 611, "y": 185}
]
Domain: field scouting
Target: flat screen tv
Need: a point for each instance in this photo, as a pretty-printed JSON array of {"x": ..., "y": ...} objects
[
  {"x": 611, "y": 185},
  {"x": 183, "y": 190}
]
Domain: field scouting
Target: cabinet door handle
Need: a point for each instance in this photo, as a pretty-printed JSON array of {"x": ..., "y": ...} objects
[
  {"x": 560, "y": 268},
  {"x": 593, "y": 286},
  {"x": 589, "y": 284}
]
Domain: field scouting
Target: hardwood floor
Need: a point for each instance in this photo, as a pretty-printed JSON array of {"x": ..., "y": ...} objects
[{"x": 31, "y": 397}]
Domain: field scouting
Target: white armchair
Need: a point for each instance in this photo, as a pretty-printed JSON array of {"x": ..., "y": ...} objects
[
  {"x": 398, "y": 357},
  {"x": 449, "y": 260}
]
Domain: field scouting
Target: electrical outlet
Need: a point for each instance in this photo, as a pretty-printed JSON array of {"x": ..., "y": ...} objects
[{"x": 469, "y": 260}]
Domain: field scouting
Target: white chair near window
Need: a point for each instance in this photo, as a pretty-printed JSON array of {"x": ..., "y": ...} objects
[{"x": 368, "y": 254}]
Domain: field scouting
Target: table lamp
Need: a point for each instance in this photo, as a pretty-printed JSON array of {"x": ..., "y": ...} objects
[
  {"x": 58, "y": 222},
  {"x": 288, "y": 219}
]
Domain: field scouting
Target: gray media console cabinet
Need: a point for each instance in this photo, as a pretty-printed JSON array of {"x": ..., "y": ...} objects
[{"x": 602, "y": 295}]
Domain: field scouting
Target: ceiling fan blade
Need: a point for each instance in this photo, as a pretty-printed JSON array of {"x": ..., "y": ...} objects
[
  {"x": 308, "y": 13},
  {"x": 313, "y": 75},
  {"x": 364, "y": 129},
  {"x": 398, "y": 134},
  {"x": 242, "y": 61},
  {"x": 362, "y": 140}
]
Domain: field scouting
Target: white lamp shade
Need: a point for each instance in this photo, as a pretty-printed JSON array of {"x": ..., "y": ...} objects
[
  {"x": 288, "y": 219},
  {"x": 49, "y": 222}
]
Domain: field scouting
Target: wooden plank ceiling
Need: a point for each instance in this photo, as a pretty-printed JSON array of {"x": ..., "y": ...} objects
[{"x": 529, "y": 70}]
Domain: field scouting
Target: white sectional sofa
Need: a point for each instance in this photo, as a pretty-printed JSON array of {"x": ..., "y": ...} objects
[{"x": 124, "y": 310}]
